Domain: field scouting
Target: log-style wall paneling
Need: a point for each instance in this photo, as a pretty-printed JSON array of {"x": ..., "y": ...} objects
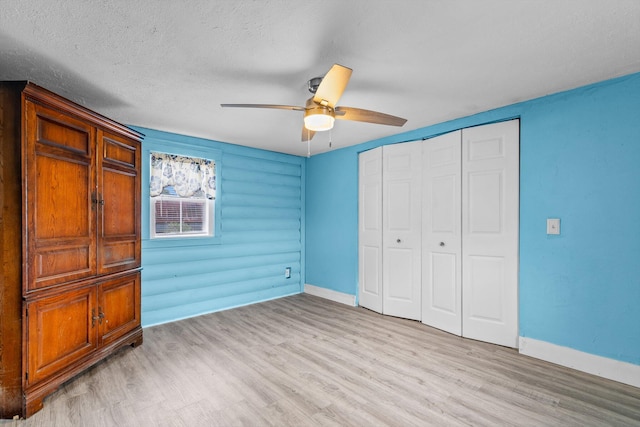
[{"x": 261, "y": 196}]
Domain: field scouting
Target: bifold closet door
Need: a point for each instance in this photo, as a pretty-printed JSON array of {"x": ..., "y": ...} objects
[
  {"x": 370, "y": 229},
  {"x": 389, "y": 244},
  {"x": 470, "y": 232},
  {"x": 490, "y": 218},
  {"x": 401, "y": 229},
  {"x": 441, "y": 233}
]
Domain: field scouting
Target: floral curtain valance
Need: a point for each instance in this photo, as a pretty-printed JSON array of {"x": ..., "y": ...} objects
[{"x": 187, "y": 175}]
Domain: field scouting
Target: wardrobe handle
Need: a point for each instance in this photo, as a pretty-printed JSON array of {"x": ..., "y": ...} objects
[
  {"x": 94, "y": 317},
  {"x": 441, "y": 243},
  {"x": 100, "y": 315}
]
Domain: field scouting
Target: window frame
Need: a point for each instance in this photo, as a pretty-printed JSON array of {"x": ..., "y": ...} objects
[
  {"x": 209, "y": 207},
  {"x": 187, "y": 150}
]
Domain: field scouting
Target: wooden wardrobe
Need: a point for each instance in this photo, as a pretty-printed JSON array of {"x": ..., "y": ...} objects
[{"x": 69, "y": 242}]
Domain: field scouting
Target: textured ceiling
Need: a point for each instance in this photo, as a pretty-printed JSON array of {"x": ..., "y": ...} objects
[{"x": 169, "y": 64}]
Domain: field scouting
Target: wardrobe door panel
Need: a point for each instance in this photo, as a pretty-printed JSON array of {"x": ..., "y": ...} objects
[
  {"x": 119, "y": 307},
  {"x": 119, "y": 199},
  {"x": 59, "y": 198},
  {"x": 61, "y": 330}
]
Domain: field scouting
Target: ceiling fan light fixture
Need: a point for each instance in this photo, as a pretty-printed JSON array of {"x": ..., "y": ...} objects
[
  {"x": 318, "y": 122},
  {"x": 319, "y": 118}
]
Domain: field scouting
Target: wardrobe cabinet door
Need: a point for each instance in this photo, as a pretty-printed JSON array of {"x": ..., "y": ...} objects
[
  {"x": 119, "y": 307},
  {"x": 119, "y": 205},
  {"x": 61, "y": 330},
  {"x": 60, "y": 198}
]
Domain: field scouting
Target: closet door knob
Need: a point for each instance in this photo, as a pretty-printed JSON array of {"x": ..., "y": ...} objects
[
  {"x": 399, "y": 241},
  {"x": 441, "y": 243}
]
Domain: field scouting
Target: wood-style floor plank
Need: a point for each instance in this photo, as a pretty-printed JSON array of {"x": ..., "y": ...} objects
[{"x": 306, "y": 361}]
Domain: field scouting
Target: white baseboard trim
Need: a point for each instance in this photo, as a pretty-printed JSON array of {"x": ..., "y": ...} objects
[
  {"x": 627, "y": 373},
  {"x": 330, "y": 294}
]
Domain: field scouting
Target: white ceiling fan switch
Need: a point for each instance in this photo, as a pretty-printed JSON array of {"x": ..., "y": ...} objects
[{"x": 553, "y": 225}]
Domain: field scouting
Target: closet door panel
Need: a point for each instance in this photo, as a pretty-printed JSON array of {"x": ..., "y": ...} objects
[
  {"x": 370, "y": 229},
  {"x": 487, "y": 276},
  {"x": 399, "y": 277},
  {"x": 490, "y": 189},
  {"x": 401, "y": 239},
  {"x": 443, "y": 295},
  {"x": 441, "y": 228}
]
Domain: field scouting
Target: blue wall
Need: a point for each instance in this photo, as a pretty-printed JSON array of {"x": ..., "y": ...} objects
[
  {"x": 332, "y": 242},
  {"x": 261, "y": 221},
  {"x": 580, "y": 162}
]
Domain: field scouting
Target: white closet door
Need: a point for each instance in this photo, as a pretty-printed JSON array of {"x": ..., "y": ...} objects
[
  {"x": 401, "y": 236},
  {"x": 441, "y": 233},
  {"x": 490, "y": 197},
  {"x": 370, "y": 229}
]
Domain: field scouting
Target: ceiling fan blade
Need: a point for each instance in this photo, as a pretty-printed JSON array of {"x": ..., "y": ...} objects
[
  {"x": 307, "y": 134},
  {"x": 332, "y": 85},
  {"x": 360, "y": 115},
  {"x": 274, "y": 106}
]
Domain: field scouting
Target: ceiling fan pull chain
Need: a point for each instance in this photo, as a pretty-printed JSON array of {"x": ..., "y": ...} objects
[
  {"x": 308, "y": 143},
  {"x": 330, "y": 137}
]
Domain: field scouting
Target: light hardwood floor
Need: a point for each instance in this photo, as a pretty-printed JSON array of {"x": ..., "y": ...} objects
[{"x": 306, "y": 361}]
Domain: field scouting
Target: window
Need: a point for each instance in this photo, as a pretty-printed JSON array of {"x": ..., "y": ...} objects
[{"x": 183, "y": 191}]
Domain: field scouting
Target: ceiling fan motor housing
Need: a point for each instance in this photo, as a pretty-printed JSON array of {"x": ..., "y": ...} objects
[{"x": 313, "y": 84}]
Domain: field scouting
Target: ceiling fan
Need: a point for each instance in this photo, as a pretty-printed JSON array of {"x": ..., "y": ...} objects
[{"x": 320, "y": 111}]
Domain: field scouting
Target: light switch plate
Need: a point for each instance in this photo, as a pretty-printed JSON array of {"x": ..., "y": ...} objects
[{"x": 553, "y": 225}]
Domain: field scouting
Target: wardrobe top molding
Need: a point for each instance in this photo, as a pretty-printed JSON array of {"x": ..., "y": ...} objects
[{"x": 41, "y": 95}]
